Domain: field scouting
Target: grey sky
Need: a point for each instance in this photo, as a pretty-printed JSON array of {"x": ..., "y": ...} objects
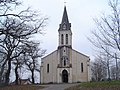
[{"x": 80, "y": 14}]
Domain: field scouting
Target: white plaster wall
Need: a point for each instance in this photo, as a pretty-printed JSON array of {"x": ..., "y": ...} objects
[
  {"x": 52, "y": 60},
  {"x": 75, "y": 74},
  {"x": 77, "y": 59}
]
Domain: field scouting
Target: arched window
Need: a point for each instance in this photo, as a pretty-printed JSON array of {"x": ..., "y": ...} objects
[
  {"x": 62, "y": 39},
  {"x": 66, "y": 38}
]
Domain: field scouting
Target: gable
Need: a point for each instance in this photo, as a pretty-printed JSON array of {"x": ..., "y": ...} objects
[
  {"x": 81, "y": 54},
  {"x": 51, "y": 55}
]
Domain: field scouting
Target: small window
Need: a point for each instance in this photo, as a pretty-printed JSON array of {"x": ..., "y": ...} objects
[
  {"x": 62, "y": 39},
  {"x": 64, "y": 62},
  {"x": 66, "y": 38},
  {"x": 47, "y": 68},
  {"x": 81, "y": 67}
]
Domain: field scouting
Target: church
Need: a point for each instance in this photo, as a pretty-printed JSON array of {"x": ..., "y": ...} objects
[{"x": 65, "y": 65}]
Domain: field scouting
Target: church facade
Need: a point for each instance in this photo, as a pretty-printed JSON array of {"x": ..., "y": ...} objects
[{"x": 65, "y": 65}]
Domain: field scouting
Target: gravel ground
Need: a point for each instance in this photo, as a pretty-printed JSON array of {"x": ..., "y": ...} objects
[{"x": 57, "y": 86}]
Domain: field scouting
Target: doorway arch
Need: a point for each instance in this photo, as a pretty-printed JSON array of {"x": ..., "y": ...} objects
[{"x": 64, "y": 76}]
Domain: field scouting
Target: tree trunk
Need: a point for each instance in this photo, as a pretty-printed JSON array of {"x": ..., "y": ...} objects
[
  {"x": 2, "y": 72},
  {"x": 116, "y": 67},
  {"x": 8, "y": 72},
  {"x": 16, "y": 74},
  {"x": 33, "y": 80},
  {"x": 108, "y": 67}
]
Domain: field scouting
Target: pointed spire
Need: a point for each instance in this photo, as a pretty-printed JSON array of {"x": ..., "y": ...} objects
[
  {"x": 65, "y": 16},
  {"x": 65, "y": 25}
]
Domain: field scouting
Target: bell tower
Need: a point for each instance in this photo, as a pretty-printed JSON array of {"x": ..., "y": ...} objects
[
  {"x": 65, "y": 40},
  {"x": 65, "y": 34}
]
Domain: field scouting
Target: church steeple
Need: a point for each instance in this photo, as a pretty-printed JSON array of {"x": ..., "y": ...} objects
[
  {"x": 65, "y": 16},
  {"x": 65, "y": 41},
  {"x": 65, "y": 33},
  {"x": 65, "y": 25}
]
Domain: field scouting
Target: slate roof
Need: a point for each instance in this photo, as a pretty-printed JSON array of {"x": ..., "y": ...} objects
[
  {"x": 65, "y": 21},
  {"x": 65, "y": 16}
]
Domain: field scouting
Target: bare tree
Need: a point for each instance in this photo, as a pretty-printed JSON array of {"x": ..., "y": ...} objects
[
  {"x": 15, "y": 28},
  {"x": 15, "y": 32},
  {"x": 98, "y": 68},
  {"x": 33, "y": 53},
  {"x": 113, "y": 72},
  {"x": 2, "y": 67},
  {"x": 107, "y": 35},
  {"x": 107, "y": 62},
  {"x": 5, "y": 7},
  {"x": 18, "y": 62},
  {"x": 8, "y": 5}
]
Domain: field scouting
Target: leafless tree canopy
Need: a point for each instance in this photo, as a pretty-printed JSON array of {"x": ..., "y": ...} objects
[
  {"x": 106, "y": 37},
  {"x": 107, "y": 34},
  {"x": 16, "y": 30}
]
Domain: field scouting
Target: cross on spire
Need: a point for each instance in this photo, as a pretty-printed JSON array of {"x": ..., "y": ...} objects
[{"x": 65, "y": 2}]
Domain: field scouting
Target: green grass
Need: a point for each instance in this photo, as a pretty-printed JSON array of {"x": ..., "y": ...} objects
[
  {"x": 21, "y": 87},
  {"x": 103, "y": 85}
]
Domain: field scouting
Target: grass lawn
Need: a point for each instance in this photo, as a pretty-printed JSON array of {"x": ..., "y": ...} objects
[
  {"x": 21, "y": 87},
  {"x": 104, "y": 85}
]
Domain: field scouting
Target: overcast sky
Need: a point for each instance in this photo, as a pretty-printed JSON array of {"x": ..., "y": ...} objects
[{"x": 80, "y": 14}]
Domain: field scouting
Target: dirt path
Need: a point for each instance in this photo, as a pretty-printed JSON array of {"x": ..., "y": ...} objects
[{"x": 57, "y": 86}]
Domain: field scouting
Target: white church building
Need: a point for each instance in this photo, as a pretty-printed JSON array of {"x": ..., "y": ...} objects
[{"x": 65, "y": 65}]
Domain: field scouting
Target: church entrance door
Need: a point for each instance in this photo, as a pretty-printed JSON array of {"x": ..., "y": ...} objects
[{"x": 64, "y": 76}]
